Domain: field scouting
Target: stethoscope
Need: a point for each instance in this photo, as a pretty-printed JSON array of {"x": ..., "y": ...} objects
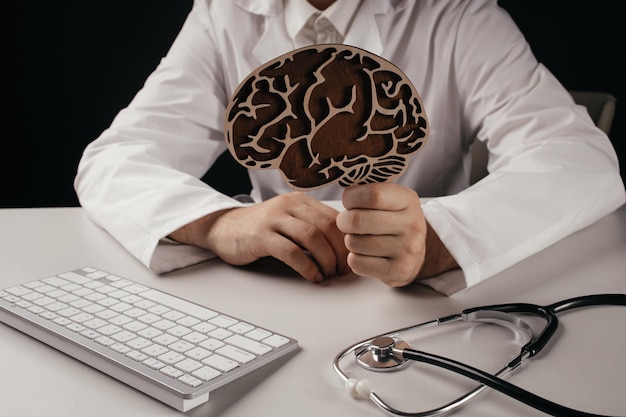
[{"x": 388, "y": 352}]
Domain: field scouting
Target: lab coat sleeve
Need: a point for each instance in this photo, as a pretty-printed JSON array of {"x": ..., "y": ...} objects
[
  {"x": 140, "y": 179},
  {"x": 552, "y": 172}
]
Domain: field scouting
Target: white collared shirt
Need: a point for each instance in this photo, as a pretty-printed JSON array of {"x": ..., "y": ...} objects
[
  {"x": 307, "y": 25},
  {"x": 552, "y": 172}
]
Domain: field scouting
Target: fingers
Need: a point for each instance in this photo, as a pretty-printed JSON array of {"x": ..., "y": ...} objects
[
  {"x": 294, "y": 228},
  {"x": 382, "y": 196},
  {"x": 385, "y": 232},
  {"x": 394, "y": 272},
  {"x": 307, "y": 248},
  {"x": 285, "y": 250},
  {"x": 320, "y": 236}
]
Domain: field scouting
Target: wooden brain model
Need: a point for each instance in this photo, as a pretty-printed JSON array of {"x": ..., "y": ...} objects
[{"x": 324, "y": 114}]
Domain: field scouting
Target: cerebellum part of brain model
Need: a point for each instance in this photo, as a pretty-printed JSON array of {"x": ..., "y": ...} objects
[{"x": 326, "y": 114}]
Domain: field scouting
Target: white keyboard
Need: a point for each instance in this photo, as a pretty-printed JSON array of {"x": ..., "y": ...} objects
[{"x": 169, "y": 348}]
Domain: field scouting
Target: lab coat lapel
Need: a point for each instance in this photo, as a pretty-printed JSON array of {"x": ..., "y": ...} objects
[
  {"x": 364, "y": 32},
  {"x": 274, "y": 40}
]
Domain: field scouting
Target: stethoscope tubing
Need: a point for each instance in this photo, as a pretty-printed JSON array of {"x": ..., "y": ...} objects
[{"x": 497, "y": 384}]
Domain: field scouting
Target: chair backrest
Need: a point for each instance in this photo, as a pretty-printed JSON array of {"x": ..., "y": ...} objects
[{"x": 600, "y": 106}]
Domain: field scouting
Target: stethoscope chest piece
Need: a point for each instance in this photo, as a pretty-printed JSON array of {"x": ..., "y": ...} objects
[{"x": 383, "y": 354}]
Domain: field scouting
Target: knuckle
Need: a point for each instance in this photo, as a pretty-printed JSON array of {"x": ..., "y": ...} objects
[{"x": 403, "y": 272}]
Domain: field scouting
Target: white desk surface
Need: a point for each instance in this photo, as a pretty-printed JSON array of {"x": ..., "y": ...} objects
[{"x": 584, "y": 368}]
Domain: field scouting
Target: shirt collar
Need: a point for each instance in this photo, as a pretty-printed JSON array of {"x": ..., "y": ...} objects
[{"x": 340, "y": 14}]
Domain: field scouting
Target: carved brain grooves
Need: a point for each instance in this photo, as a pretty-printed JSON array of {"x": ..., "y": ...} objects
[{"x": 326, "y": 113}]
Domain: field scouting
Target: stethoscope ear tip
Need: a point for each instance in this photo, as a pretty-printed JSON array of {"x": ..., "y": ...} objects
[{"x": 358, "y": 388}]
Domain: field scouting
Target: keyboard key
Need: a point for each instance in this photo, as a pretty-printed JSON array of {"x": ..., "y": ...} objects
[
  {"x": 135, "y": 326},
  {"x": 220, "y": 333},
  {"x": 258, "y": 334},
  {"x": 173, "y": 315},
  {"x": 164, "y": 324},
  {"x": 206, "y": 374},
  {"x": 105, "y": 341},
  {"x": 55, "y": 293},
  {"x": 45, "y": 288},
  {"x": 171, "y": 357},
  {"x": 179, "y": 331},
  {"x": 220, "y": 362},
  {"x": 188, "y": 321},
  {"x": 248, "y": 344},
  {"x": 107, "y": 315},
  {"x": 223, "y": 321},
  {"x": 189, "y": 380},
  {"x": 121, "y": 307},
  {"x": 204, "y": 327},
  {"x": 149, "y": 318},
  {"x": 68, "y": 298},
  {"x": 153, "y": 363},
  {"x": 181, "y": 346},
  {"x": 36, "y": 309},
  {"x": 197, "y": 353},
  {"x": 138, "y": 356},
  {"x": 94, "y": 323},
  {"x": 32, "y": 296},
  {"x": 94, "y": 308},
  {"x": 18, "y": 291},
  {"x": 149, "y": 333},
  {"x": 134, "y": 312},
  {"x": 90, "y": 334},
  {"x": 77, "y": 328},
  {"x": 71, "y": 287},
  {"x": 135, "y": 288},
  {"x": 188, "y": 365},
  {"x": 276, "y": 341},
  {"x": 166, "y": 339},
  {"x": 211, "y": 344},
  {"x": 120, "y": 348},
  {"x": 124, "y": 336},
  {"x": 55, "y": 281},
  {"x": 154, "y": 350},
  {"x": 171, "y": 371},
  {"x": 237, "y": 354},
  {"x": 56, "y": 306},
  {"x": 62, "y": 321},
  {"x": 195, "y": 337},
  {"x": 74, "y": 277},
  {"x": 138, "y": 343},
  {"x": 66, "y": 312},
  {"x": 241, "y": 328},
  {"x": 43, "y": 301},
  {"x": 109, "y": 329},
  {"x": 81, "y": 317}
]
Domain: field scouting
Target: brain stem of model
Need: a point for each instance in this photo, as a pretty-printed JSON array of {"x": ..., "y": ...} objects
[{"x": 324, "y": 114}]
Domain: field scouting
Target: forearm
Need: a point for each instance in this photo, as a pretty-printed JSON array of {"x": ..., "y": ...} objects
[{"x": 197, "y": 232}]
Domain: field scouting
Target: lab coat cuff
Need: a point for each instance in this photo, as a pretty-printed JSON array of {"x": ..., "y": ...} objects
[
  {"x": 443, "y": 224},
  {"x": 170, "y": 255}
]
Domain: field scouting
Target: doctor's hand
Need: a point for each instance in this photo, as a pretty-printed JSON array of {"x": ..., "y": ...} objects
[
  {"x": 294, "y": 228},
  {"x": 388, "y": 236}
]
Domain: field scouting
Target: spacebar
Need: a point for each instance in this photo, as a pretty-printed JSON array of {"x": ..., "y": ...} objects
[{"x": 179, "y": 304}]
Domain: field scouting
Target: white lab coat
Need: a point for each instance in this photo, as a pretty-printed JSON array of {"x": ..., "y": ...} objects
[{"x": 552, "y": 171}]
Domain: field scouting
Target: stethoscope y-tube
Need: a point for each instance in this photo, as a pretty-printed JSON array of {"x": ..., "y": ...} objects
[{"x": 388, "y": 352}]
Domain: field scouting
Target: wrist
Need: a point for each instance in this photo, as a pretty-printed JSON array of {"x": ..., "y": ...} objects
[
  {"x": 197, "y": 232},
  {"x": 437, "y": 259}
]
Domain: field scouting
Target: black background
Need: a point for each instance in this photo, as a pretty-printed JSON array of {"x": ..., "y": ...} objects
[{"x": 71, "y": 66}]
